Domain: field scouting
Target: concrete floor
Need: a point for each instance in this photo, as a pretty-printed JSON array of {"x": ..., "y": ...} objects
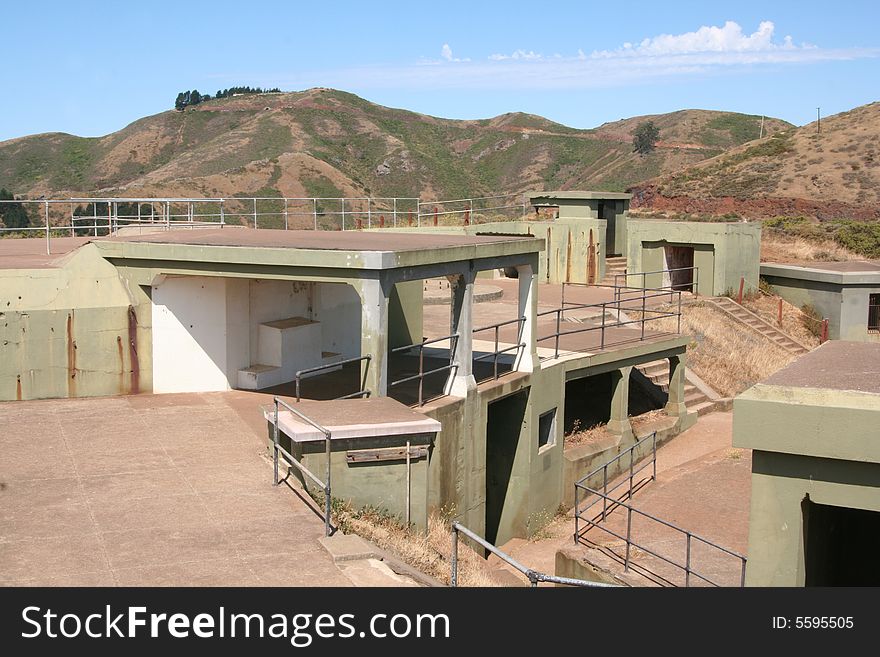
[{"x": 151, "y": 490}]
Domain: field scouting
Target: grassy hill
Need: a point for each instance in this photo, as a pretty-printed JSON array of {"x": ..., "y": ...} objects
[
  {"x": 830, "y": 174},
  {"x": 323, "y": 142}
]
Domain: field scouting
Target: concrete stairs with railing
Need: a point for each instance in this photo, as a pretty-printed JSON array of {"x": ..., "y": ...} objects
[
  {"x": 747, "y": 318},
  {"x": 613, "y": 265},
  {"x": 699, "y": 398}
]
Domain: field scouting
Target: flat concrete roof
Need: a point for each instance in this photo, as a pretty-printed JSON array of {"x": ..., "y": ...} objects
[
  {"x": 30, "y": 252},
  {"x": 842, "y": 273},
  {"x": 353, "y": 418},
  {"x": 836, "y": 365},
  {"x": 309, "y": 248},
  {"x": 574, "y": 195}
]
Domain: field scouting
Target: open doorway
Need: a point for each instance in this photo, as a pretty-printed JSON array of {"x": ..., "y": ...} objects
[
  {"x": 840, "y": 545},
  {"x": 680, "y": 263},
  {"x": 504, "y": 424}
]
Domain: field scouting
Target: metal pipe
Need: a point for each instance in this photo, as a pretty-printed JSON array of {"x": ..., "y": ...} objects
[
  {"x": 687, "y": 563},
  {"x": 275, "y": 445},
  {"x": 454, "y": 557},
  {"x": 48, "y": 240},
  {"x": 327, "y": 496},
  {"x": 408, "y": 482},
  {"x": 628, "y": 538}
]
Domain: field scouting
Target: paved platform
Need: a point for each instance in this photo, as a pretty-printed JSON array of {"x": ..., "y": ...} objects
[{"x": 154, "y": 490}]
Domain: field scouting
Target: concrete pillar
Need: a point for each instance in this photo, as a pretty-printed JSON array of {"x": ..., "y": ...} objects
[
  {"x": 461, "y": 378},
  {"x": 675, "y": 405},
  {"x": 528, "y": 307},
  {"x": 618, "y": 422},
  {"x": 374, "y": 335}
]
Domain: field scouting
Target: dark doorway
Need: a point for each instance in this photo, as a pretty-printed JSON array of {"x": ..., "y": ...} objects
[
  {"x": 680, "y": 262},
  {"x": 587, "y": 402},
  {"x": 874, "y": 313},
  {"x": 840, "y": 545},
  {"x": 503, "y": 426}
]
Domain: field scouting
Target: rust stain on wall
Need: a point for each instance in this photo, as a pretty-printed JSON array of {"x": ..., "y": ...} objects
[
  {"x": 121, "y": 356},
  {"x": 135, "y": 387},
  {"x": 71, "y": 358}
]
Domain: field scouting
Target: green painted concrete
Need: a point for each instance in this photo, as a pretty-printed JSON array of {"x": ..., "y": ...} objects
[
  {"x": 723, "y": 252},
  {"x": 806, "y": 441},
  {"x": 69, "y": 331},
  {"x": 841, "y": 297}
]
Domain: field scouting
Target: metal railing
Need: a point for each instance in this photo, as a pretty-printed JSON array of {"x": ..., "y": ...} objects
[
  {"x": 610, "y": 503},
  {"x": 694, "y": 283},
  {"x": 472, "y": 210},
  {"x": 363, "y": 392},
  {"x": 873, "y": 318},
  {"x": 648, "y": 314},
  {"x": 292, "y": 460},
  {"x": 519, "y": 321},
  {"x": 422, "y": 373},
  {"x": 534, "y": 576}
]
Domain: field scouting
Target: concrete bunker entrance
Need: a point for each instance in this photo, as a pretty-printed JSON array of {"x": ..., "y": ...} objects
[
  {"x": 504, "y": 427},
  {"x": 588, "y": 400},
  {"x": 840, "y": 545},
  {"x": 680, "y": 263}
]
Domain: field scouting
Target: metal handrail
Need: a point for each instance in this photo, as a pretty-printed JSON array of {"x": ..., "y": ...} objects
[
  {"x": 422, "y": 374},
  {"x": 521, "y": 345},
  {"x": 617, "y": 305},
  {"x": 609, "y": 503},
  {"x": 276, "y": 449},
  {"x": 695, "y": 282},
  {"x": 534, "y": 576},
  {"x": 363, "y": 392}
]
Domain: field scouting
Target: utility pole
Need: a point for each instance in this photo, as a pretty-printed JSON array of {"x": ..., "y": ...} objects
[{"x": 818, "y": 121}]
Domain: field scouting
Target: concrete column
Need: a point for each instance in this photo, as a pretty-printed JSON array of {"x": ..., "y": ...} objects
[
  {"x": 374, "y": 335},
  {"x": 619, "y": 423},
  {"x": 675, "y": 405},
  {"x": 461, "y": 379},
  {"x": 528, "y": 307}
]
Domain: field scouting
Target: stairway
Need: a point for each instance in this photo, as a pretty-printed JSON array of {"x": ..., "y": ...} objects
[
  {"x": 736, "y": 312},
  {"x": 613, "y": 265},
  {"x": 695, "y": 400}
]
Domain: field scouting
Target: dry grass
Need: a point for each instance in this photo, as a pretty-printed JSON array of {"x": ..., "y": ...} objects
[
  {"x": 578, "y": 436},
  {"x": 428, "y": 552},
  {"x": 726, "y": 355},
  {"x": 778, "y": 247},
  {"x": 767, "y": 308}
]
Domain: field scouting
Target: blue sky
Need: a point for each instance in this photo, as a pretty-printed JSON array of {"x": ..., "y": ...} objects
[{"x": 90, "y": 68}]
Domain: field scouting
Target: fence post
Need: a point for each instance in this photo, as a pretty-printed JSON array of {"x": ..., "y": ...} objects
[
  {"x": 275, "y": 444},
  {"x": 558, "y": 314},
  {"x": 435, "y": 215},
  {"x": 454, "y": 557},
  {"x": 824, "y": 337},
  {"x": 739, "y": 297},
  {"x": 604, "y": 492},
  {"x": 315, "y": 212},
  {"x": 255, "y": 213},
  {"x": 779, "y": 313},
  {"x": 327, "y": 487}
]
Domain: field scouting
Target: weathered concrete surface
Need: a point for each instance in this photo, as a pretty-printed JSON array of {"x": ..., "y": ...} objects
[{"x": 165, "y": 490}]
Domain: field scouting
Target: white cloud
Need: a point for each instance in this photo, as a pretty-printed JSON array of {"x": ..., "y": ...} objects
[{"x": 707, "y": 50}]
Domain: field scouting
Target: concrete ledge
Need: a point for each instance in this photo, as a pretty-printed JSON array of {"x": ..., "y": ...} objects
[{"x": 348, "y": 547}]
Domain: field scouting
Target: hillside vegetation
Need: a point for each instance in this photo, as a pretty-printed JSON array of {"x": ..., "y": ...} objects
[{"x": 323, "y": 142}]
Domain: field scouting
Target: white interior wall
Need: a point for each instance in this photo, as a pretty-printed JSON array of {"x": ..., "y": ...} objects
[
  {"x": 189, "y": 334},
  {"x": 338, "y": 308},
  {"x": 238, "y": 340}
]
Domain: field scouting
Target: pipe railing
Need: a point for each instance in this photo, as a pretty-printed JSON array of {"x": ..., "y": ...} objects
[
  {"x": 619, "y": 306},
  {"x": 292, "y": 460},
  {"x": 453, "y": 344},
  {"x": 363, "y": 392},
  {"x": 519, "y": 321},
  {"x": 534, "y": 576},
  {"x": 679, "y": 287},
  {"x": 610, "y": 503}
]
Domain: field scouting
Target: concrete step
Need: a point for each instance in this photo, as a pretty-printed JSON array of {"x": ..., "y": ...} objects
[{"x": 702, "y": 408}]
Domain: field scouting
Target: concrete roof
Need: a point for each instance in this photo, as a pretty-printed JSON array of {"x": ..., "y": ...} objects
[
  {"x": 574, "y": 195},
  {"x": 353, "y": 418},
  {"x": 843, "y": 273},
  {"x": 836, "y": 365},
  {"x": 30, "y": 253},
  {"x": 309, "y": 248}
]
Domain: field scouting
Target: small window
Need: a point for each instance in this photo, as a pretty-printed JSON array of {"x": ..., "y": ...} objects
[
  {"x": 874, "y": 313},
  {"x": 547, "y": 429}
]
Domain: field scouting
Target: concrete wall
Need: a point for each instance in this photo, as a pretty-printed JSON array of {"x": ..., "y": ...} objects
[
  {"x": 70, "y": 331},
  {"x": 724, "y": 252},
  {"x": 842, "y": 298},
  {"x": 805, "y": 441}
]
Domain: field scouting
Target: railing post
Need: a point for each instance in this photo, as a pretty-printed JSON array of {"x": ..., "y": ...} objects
[
  {"x": 629, "y": 515},
  {"x": 654, "y": 450},
  {"x": 222, "y": 216},
  {"x": 48, "y": 245},
  {"x": 421, "y": 370},
  {"x": 285, "y": 214},
  {"x": 298, "y": 379},
  {"x": 394, "y": 211},
  {"x": 453, "y": 579},
  {"x": 679, "y": 313},
  {"x": 255, "y": 213},
  {"x": 558, "y": 313},
  {"x": 644, "y": 302},
  {"x": 632, "y": 457},
  {"x": 315, "y": 211},
  {"x": 739, "y": 297},
  {"x": 602, "y": 332},
  {"x": 742, "y": 578},
  {"x": 576, "y": 516},
  {"x": 327, "y": 487},
  {"x": 496, "y": 351},
  {"x": 604, "y": 492},
  {"x": 687, "y": 563},
  {"x": 275, "y": 444}
]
